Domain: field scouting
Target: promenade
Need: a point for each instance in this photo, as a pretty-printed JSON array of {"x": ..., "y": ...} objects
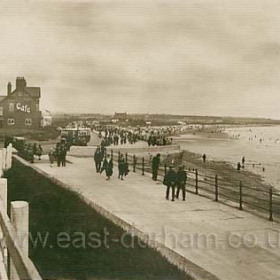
[{"x": 216, "y": 241}]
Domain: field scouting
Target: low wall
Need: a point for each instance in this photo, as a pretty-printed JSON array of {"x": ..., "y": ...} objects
[{"x": 88, "y": 151}]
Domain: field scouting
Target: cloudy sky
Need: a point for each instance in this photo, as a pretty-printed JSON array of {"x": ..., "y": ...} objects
[{"x": 210, "y": 57}]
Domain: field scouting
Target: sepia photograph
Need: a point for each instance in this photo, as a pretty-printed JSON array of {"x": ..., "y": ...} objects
[{"x": 139, "y": 140}]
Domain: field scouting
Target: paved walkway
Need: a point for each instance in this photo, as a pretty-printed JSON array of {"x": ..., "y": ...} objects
[{"x": 211, "y": 235}]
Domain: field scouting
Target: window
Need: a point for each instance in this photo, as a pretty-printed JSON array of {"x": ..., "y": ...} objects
[
  {"x": 28, "y": 121},
  {"x": 11, "y": 122},
  {"x": 11, "y": 107},
  {"x": 1, "y": 111}
]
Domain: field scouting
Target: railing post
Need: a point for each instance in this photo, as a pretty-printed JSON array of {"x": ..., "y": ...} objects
[
  {"x": 20, "y": 221},
  {"x": 270, "y": 205},
  {"x": 240, "y": 195},
  {"x": 112, "y": 154},
  {"x": 4, "y": 198},
  {"x": 119, "y": 154},
  {"x": 143, "y": 166},
  {"x": 126, "y": 157},
  {"x": 196, "y": 181},
  {"x": 165, "y": 169},
  {"x": 1, "y": 163},
  {"x": 216, "y": 188},
  {"x": 134, "y": 163},
  {"x": 3, "y": 192}
]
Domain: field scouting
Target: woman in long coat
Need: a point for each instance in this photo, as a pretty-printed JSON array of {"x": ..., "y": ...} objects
[
  {"x": 107, "y": 166},
  {"x": 121, "y": 166}
]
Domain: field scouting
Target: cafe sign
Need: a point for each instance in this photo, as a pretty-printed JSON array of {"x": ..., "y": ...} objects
[{"x": 23, "y": 108}]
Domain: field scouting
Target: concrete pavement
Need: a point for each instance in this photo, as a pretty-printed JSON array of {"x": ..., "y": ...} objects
[{"x": 208, "y": 239}]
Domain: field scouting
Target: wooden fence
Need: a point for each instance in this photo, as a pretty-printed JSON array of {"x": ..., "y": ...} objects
[{"x": 14, "y": 261}]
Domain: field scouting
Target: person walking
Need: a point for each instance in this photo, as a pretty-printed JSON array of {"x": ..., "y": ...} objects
[
  {"x": 107, "y": 166},
  {"x": 181, "y": 182},
  {"x": 51, "y": 156},
  {"x": 39, "y": 151},
  {"x": 170, "y": 180},
  {"x": 63, "y": 154},
  {"x": 58, "y": 154},
  {"x": 98, "y": 159},
  {"x": 121, "y": 166},
  {"x": 155, "y": 166}
]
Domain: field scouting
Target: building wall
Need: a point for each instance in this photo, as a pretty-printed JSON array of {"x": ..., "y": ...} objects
[{"x": 21, "y": 108}]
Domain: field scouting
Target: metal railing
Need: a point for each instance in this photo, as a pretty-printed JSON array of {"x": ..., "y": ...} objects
[{"x": 266, "y": 201}]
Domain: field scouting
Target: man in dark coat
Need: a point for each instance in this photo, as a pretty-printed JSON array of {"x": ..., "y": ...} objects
[
  {"x": 98, "y": 159},
  {"x": 63, "y": 154},
  {"x": 181, "y": 182},
  {"x": 58, "y": 154},
  {"x": 155, "y": 166},
  {"x": 170, "y": 180}
]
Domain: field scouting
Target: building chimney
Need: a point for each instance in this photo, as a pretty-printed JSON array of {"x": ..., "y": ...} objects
[
  {"x": 20, "y": 83},
  {"x": 9, "y": 88}
]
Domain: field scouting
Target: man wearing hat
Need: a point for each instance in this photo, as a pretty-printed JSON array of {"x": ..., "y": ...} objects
[
  {"x": 181, "y": 182},
  {"x": 170, "y": 180}
]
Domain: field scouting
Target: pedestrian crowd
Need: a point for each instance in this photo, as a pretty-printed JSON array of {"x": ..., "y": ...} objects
[
  {"x": 116, "y": 136},
  {"x": 173, "y": 180}
]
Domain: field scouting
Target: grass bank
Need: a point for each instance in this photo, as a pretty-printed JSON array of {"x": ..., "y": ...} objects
[{"x": 54, "y": 210}]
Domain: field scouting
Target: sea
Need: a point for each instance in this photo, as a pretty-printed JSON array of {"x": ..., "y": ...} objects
[{"x": 260, "y": 145}]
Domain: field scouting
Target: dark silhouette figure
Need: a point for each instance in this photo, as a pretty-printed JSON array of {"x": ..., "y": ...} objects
[
  {"x": 155, "y": 166},
  {"x": 170, "y": 180},
  {"x": 204, "y": 158},
  {"x": 181, "y": 182}
]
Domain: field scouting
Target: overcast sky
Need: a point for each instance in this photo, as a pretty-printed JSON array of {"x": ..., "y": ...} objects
[{"x": 211, "y": 57}]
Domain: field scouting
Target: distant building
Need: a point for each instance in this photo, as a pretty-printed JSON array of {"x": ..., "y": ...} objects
[
  {"x": 19, "y": 109},
  {"x": 46, "y": 118},
  {"x": 121, "y": 116}
]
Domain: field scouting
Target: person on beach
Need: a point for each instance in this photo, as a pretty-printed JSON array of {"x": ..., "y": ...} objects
[
  {"x": 204, "y": 158},
  {"x": 107, "y": 166},
  {"x": 181, "y": 182},
  {"x": 238, "y": 166},
  {"x": 155, "y": 166},
  {"x": 243, "y": 162},
  {"x": 98, "y": 159},
  {"x": 170, "y": 180}
]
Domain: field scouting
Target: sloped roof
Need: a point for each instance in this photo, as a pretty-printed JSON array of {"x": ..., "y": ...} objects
[
  {"x": 2, "y": 97},
  {"x": 34, "y": 91}
]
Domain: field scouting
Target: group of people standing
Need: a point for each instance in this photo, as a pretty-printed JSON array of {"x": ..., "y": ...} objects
[
  {"x": 104, "y": 162},
  {"x": 29, "y": 151},
  {"x": 172, "y": 179},
  {"x": 58, "y": 154}
]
